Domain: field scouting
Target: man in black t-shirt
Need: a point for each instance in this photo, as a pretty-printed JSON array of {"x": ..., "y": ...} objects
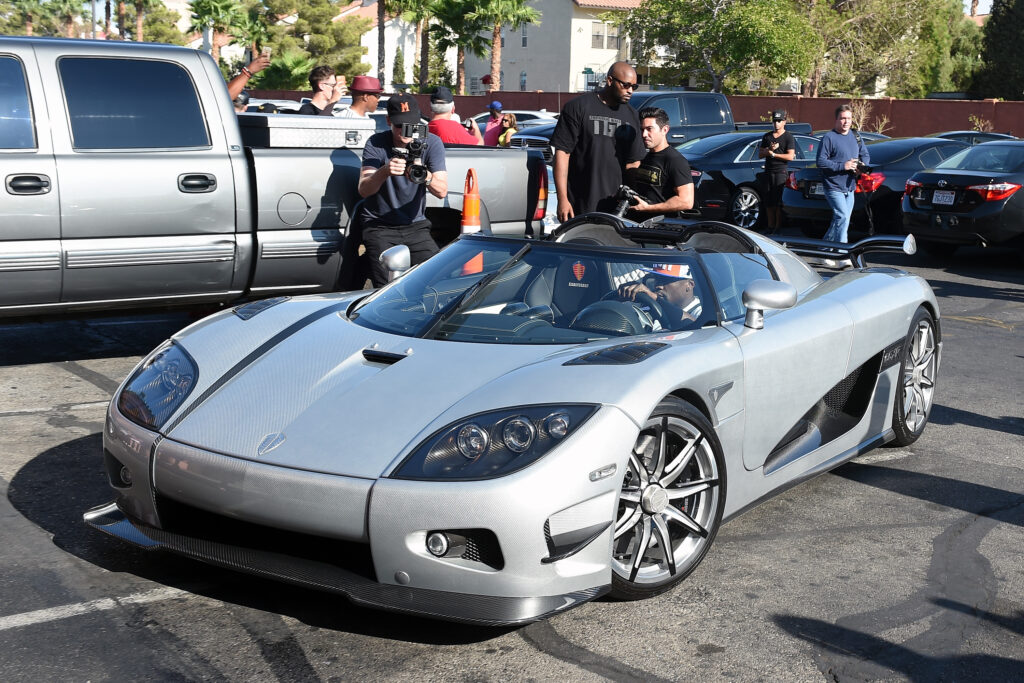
[
  {"x": 777, "y": 149},
  {"x": 663, "y": 179},
  {"x": 326, "y": 91},
  {"x": 597, "y": 137}
]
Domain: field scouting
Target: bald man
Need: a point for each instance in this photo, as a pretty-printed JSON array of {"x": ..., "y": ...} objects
[{"x": 597, "y": 137}]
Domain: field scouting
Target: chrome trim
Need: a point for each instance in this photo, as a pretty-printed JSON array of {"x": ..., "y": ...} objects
[
  {"x": 269, "y": 250},
  {"x": 38, "y": 260},
  {"x": 107, "y": 258}
]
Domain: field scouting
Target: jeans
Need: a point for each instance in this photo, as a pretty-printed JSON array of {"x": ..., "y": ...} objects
[{"x": 842, "y": 207}]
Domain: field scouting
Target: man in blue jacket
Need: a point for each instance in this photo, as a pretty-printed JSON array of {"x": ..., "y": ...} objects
[{"x": 839, "y": 155}]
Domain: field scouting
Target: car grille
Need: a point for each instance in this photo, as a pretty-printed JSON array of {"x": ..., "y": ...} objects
[
  {"x": 533, "y": 143},
  {"x": 185, "y": 520}
]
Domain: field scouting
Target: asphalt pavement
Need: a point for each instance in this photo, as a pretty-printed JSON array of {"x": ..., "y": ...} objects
[{"x": 904, "y": 564}]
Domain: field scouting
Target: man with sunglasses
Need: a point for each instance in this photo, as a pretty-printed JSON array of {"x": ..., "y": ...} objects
[
  {"x": 596, "y": 139},
  {"x": 365, "y": 96},
  {"x": 326, "y": 91}
]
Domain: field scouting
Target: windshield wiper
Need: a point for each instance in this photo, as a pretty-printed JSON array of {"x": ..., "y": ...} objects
[{"x": 471, "y": 295}]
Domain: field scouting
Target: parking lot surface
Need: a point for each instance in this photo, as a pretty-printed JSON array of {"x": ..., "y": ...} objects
[{"x": 904, "y": 564}]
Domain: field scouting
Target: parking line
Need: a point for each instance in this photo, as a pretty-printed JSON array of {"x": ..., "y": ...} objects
[{"x": 66, "y": 611}]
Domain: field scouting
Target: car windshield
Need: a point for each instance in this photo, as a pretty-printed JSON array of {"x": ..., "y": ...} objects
[
  {"x": 988, "y": 157},
  {"x": 509, "y": 291}
]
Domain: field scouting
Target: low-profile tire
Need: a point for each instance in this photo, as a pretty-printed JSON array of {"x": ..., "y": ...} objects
[
  {"x": 745, "y": 208},
  {"x": 673, "y": 496},
  {"x": 915, "y": 392}
]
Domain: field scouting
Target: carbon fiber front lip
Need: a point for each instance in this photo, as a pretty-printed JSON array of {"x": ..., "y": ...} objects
[{"x": 487, "y": 610}]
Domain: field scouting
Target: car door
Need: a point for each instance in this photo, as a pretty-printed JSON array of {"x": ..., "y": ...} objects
[
  {"x": 147, "y": 196},
  {"x": 30, "y": 228}
]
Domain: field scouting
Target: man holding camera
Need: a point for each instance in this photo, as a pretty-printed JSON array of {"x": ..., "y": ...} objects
[
  {"x": 841, "y": 157},
  {"x": 399, "y": 167},
  {"x": 442, "y": 105}
]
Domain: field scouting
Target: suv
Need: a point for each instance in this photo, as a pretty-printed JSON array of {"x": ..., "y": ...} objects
[{"x": 691, "y": 115}]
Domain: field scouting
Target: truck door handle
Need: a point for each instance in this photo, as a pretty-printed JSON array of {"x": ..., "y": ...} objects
[
  {"x": 28, "y": 184},
  {"x": 677, "y": 136},
  {"x": 197, "y": 182}
]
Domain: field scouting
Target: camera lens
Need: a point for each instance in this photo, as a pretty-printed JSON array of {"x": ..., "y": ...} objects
[{"x": 417, "y": 173}]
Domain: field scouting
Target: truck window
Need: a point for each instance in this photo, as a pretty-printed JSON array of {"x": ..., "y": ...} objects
[
  {"x": 703, "y": 110},
  {"x": 16, "y": 130},
  {"x": 131, "y": 104},
  {"x": 671, "y": 107}
]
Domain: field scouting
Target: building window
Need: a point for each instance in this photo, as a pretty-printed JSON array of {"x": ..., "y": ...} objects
[
  {"x": 613, "y": 38},
  {"x": 522, "y": 78},
  {"x": 597, "y": 35},
  {"x": 524, "y": 35}
]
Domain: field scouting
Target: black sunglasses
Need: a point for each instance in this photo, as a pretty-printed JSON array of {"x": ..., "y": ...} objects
[{"x": 627, "y": 86}]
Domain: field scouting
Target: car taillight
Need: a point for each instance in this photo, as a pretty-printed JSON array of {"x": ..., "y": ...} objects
[
  {"x": 869, "y": 182},
  {"x": 791, "y": 181},
  {"x": 995, "y": 191},
  {"x": 911, "y": 184},
  {"x": 542, "y": 198}
]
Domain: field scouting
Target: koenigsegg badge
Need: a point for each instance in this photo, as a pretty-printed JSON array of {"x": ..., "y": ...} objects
[
  {"x": 269, "y": 443},
  {"x": 579, "y": 271}
]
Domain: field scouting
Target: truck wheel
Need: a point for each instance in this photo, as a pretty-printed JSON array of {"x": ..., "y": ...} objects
[{"x": 745, "y": 208}]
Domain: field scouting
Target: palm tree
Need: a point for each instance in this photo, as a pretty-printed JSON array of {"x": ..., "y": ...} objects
[
  {"x": 288, "y": 71},
  {"x": 33, "y": 12},
  {"x": 65, "y": 12},
  {"x": 220, "y": 16},
  {"x": 455, "y": 28},
  {"x": 251, "y": 30},
  {"x": 419, "y": 12},
  {"x": 497, "y": 13}
]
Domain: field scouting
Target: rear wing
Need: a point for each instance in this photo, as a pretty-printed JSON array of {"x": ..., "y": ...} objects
[{"x": 838, "y": 253}]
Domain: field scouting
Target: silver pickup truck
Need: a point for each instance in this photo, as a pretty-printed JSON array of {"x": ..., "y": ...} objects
[{"x": 129, "y": 182}]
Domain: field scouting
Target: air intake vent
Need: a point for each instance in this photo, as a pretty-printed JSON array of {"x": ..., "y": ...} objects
[
  {"x": 247, "y": 311},
  {"x": 622, "y": 354}
]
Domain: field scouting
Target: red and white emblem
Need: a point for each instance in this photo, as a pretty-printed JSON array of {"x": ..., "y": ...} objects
[{"x": 579, "y": 270}]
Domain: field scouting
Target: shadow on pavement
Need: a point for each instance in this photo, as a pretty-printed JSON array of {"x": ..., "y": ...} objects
[
  {"x": 54, "y": 489},
  {"x": 946, "y": 415}
]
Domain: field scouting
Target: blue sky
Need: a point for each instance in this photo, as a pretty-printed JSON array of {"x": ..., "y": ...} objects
[{"x": 983, "y": 6}]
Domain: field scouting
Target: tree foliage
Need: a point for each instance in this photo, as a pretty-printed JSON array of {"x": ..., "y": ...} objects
[
  {"x": 497, "y": 13},
  {"x": 455, "y": 28},
  {"x": 714, "y": 39},
  {"x": 1003, "y": 74}
]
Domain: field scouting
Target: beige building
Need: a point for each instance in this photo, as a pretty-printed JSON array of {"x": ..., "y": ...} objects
[{"x": 568, "y": 51}]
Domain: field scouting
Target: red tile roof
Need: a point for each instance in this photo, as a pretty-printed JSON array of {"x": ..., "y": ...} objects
[{"x": 609, "y": 4}]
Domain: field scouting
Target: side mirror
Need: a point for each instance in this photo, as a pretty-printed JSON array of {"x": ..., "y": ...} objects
[
  {"x": 762, "y": 294},
  {"x": 396, "y": 260}
]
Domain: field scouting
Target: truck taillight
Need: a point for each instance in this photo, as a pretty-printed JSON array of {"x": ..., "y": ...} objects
[
  {"x": 542, "y": 198},
  {"x": 869, "y": 182},
  {"x": 996, "y": 191},
  {"x": 791, "y": 181}
]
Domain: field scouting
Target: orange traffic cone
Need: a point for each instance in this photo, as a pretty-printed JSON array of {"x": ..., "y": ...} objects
[{"x": 471, "y": 220}]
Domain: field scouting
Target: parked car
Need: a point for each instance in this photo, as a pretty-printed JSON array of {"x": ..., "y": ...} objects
[
  {"x": 880, "y": 189},
  {"x": 524, "y": 117},
  {"x": 864, "y": 135},
  {"x": 729, "y": 176},
  {"x": 973, "y": 197},
  {"x": 117, "y": 201},
  {"x": 496, "y": 436},
  {"x": 972, "y": 137}
]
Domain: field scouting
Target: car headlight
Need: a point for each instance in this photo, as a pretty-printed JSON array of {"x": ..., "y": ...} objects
[
  {"x": 158, "y": 387},
  {"x": 493, "y": 444}
]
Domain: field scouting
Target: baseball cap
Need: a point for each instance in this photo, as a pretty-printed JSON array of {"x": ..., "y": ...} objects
[
  {"x": 442, "y": 94},
  {"x": 676, "y": 271},
  {"x": 779, "y": 115},
  {"x": 403, "y": 109},
  {"x": 365, "y": 84},
  {"x": 495, "y": 105}
]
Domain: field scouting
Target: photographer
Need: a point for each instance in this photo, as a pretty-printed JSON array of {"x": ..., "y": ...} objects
[
  {"x": 841, "y": 157},
  {"x": 399, "y": 167}
]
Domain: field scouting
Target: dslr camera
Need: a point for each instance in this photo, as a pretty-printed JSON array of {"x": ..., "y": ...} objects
[
  {"x": 862, "y": 168},
  {"x": 415, "y": 170}
]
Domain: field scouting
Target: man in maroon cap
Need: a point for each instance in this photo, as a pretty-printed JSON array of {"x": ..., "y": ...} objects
[{"x": 365, "y": 96}]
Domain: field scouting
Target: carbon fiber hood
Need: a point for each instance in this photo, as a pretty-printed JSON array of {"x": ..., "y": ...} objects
[{"x": 330, "y": 409}]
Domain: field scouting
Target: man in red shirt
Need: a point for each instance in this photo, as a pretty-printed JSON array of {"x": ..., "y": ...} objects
[{"x": 442, "y": 104}]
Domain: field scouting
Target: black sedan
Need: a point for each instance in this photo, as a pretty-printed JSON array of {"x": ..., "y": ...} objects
[
  {"x": 971, "y": 198},
  {"x": 729, "y": 177},
  {"x": 892, "y": 162},
  {"x": 972, "y": 137}
]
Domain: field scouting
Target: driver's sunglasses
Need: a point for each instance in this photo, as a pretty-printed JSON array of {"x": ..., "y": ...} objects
[{"x": 624, "y": 84}]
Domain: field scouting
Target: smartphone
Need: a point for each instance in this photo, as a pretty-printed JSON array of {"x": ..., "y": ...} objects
[{"x": 266, "y": 51}]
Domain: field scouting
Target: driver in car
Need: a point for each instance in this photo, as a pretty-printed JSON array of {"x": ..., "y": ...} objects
[{"x": 673, "y": 290}]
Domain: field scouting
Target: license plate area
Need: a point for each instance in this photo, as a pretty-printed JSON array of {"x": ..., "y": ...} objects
[
  {"x": 943, "y": 197},
  {"x": 816, "y": 190}
]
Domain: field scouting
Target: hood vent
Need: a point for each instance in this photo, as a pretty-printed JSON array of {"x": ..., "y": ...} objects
[
  {"x": 622, "y": 354},
  {"x": 384, "y": 357},
  {"x": 247, "y": 311}
]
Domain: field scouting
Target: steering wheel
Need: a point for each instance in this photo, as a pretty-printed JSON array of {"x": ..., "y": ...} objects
[{"x": 644, "y": 299}]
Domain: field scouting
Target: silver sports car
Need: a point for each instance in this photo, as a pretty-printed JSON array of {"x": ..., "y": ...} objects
[{"x": 518, "y": 426}]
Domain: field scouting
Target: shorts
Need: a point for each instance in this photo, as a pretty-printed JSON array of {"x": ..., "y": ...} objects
[{"x": 776, "y": 183}]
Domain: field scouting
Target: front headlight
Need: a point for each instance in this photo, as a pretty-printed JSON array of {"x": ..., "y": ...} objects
[
  {"x": 158, "y": 387},
  {"x": 493, "y": 444}
]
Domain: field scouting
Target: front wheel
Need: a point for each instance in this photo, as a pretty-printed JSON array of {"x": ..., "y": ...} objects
[
  {"x": 918, "y": 370},
  {"x": 671, "y": 503},
  {"x": 745, "y": 208}
]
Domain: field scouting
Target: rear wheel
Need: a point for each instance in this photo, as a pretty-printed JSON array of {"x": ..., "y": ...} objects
[
  {"x": 671, "y": 503},
  {"x": 745, "y": 208},
  {"x": 918, "y": 369}
]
